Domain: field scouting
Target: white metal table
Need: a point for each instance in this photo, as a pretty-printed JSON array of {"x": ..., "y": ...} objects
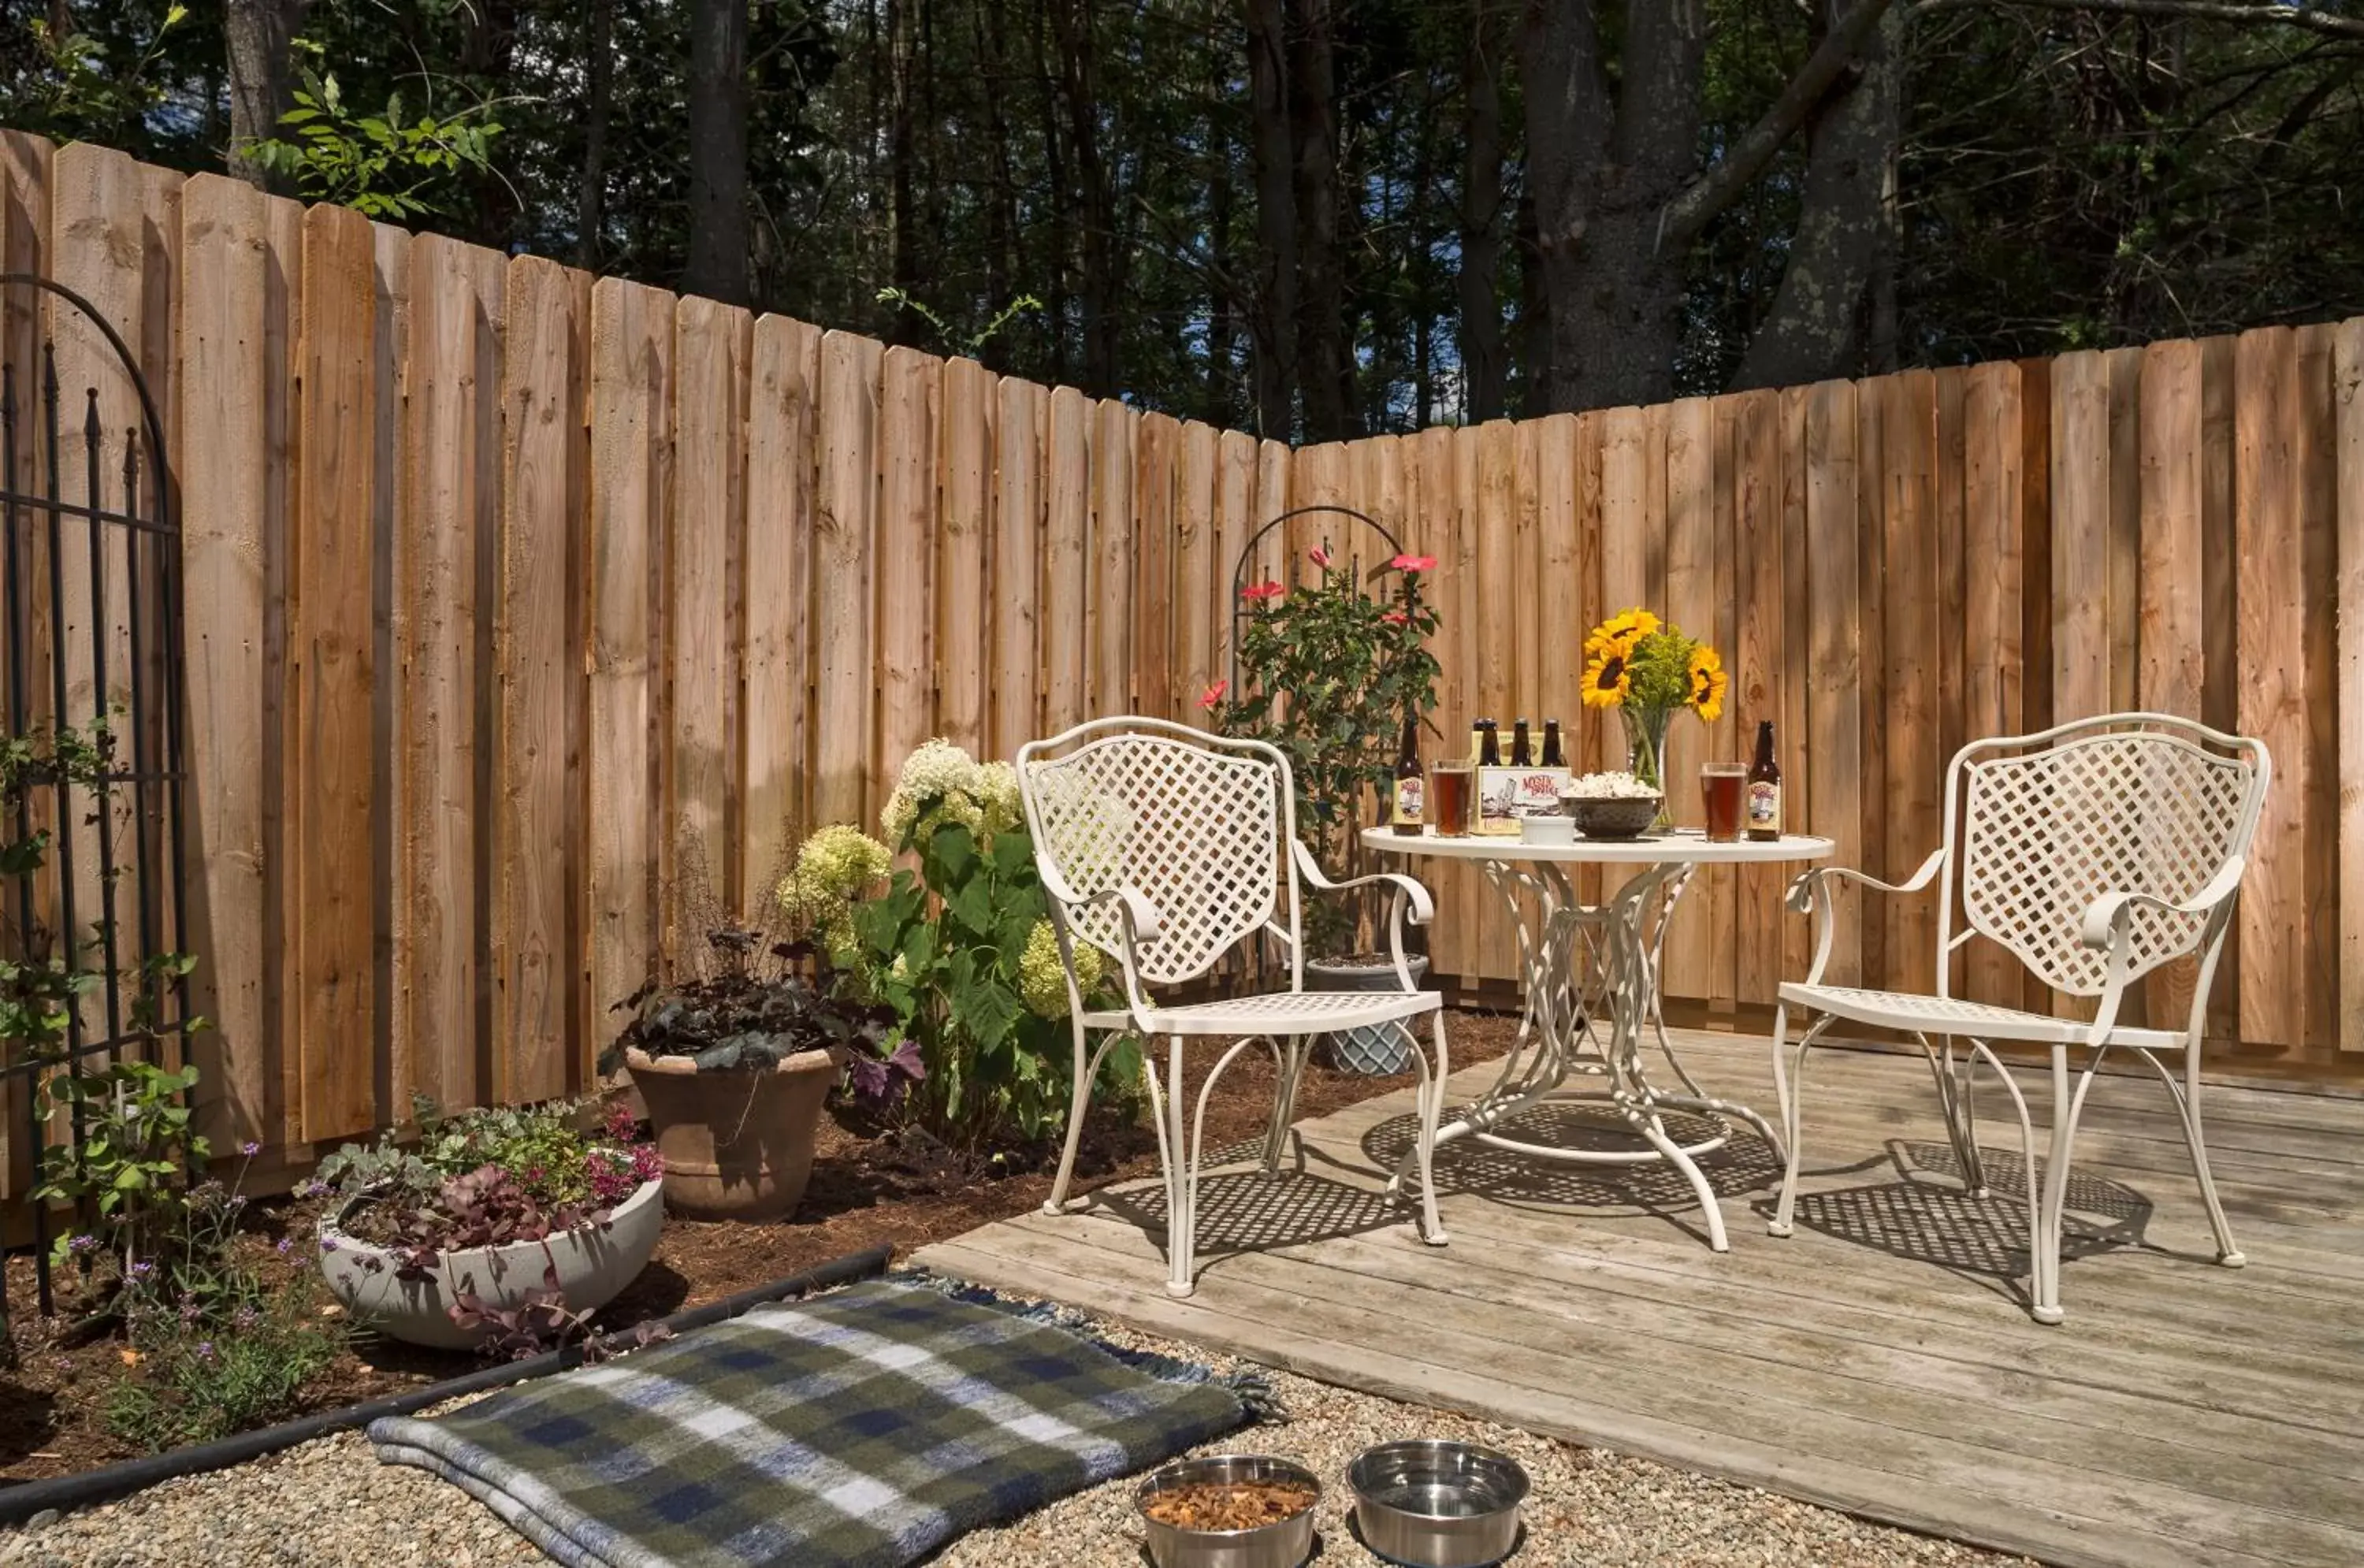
[{"x": 1585, "y": 962}]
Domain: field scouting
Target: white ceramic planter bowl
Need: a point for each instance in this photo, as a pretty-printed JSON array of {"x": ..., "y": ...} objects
[{"x": 595, "y": 1263}]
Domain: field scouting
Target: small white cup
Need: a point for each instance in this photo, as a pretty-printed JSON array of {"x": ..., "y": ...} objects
[{"x": 1547, "y": 829}]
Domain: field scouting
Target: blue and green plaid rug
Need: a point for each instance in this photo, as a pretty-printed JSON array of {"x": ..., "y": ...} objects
[{"x": 866, "y": 1429}]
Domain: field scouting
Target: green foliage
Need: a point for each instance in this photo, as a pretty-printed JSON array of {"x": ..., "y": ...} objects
[
  {"x": 135, "y": 1137},
  {"x": 546, "y": 1146},
  {"x": 956, "y": 950},
  {"x": 971, "y": 344},
  {"x": 99, "y": 78},
  {"x": 192, "y": 1380},
  {"x": 1328, "y": 674},
  {"x": 391, "y": 163}
]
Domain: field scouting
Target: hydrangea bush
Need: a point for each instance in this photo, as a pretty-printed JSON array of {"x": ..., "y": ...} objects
[{"x": 959, "y": 945}]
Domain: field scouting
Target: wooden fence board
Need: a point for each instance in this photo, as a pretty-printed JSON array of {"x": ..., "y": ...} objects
[
  {"x": 698, "y": 872},
  {"x": 392, "y": 485},
  {"x": 1560, "y": 586},
  {"x": 2219, "y": 593},
  {"x": 538, "y": 1011},
  {"x": 1110, "y": 606},
  {"x": 283, "y": 281},
  {"x": 2080, "y": 537},
  {"x": 843, "y": 695},
  {"x": 1800, "y": 766},
  {"x": 2171, "y": 643},
  {"x": 220, "y": 451},
  {"x": 1236, "y": 484},
  {"x": 2272, "y": 666},
  {"x": 1990, "y": 604},
  {"x": 906, "y": 509},
  {"x": 1699, "y": 959},
  {"x": 1017, "y": 588},
  {"x": 1835, "y": 719},
  {"x": 631, "y": 484},
  {"x": 330, "y": 648},
  {"x": 1489, "y": 455},
  {"x": 775, "y": 745},
  {"x": 451, "y": 510},
  {"x": 963, "y": 540},
  {"x": 2123, "y": 607},
  {"x": 1759, "y": 682},
  {"x": 1066, "y": 564},
  {"x": 1274, "y": 487},
  {"x": 2317, "y": 477},
  {"x": 2348, "y": 409},
  {"x": 1157, "y": 438},
  {"x": 1197, "y": 597},
  {"x": 1910, "y": 633}
]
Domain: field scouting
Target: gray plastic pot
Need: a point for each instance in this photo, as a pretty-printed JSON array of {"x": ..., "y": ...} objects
[{"x": 1376, "y": 1049}]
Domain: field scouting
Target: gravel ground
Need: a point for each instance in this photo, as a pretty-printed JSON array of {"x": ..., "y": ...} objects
[{"x": 330, "y": 1502}]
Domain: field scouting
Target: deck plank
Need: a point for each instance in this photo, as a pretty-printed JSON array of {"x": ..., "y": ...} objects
[{"x": 1880, "y": 1360}]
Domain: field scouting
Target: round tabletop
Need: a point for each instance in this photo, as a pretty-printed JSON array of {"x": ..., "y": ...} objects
[{"x": 1650, "y": 848}]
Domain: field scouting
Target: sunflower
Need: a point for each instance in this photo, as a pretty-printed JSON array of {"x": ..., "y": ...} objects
[
  {"x": 1622, "y": 630},
  {"x": 1708, "y": 683},
  {"x": 1605, "y": 677}
]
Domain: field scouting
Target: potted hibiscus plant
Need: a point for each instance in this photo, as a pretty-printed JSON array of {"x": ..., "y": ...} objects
[
  {"x": 735, "y": 1062},
  {"x": 1329, "y": 672},
  {"x": 507, "y": 1226}
]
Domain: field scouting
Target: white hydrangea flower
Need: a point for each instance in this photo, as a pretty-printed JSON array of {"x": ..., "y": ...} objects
[
  {"x": 1042, "y": 981},
  {"x": 938, "y": 769}
]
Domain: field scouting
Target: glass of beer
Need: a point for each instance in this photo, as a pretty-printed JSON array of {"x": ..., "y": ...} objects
[
  {"x": 1449, "y": 790},
  {"x": 1724, "y": 787}
]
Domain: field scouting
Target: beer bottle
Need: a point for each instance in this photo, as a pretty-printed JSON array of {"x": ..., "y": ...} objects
[
  {"x": 1553, "y": 756},
  {"x": 1476, "y": 740},
  {"x": 1522, "y": 746},
  {"x": 1764, "y": 787},
  {"x": 1489, "y": 744},
  {"x": 1405, "y": 816}
]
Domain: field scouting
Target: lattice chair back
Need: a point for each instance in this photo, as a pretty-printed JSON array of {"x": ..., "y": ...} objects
[
  {"x": 1196, "y": 823},
  {"x": 2126, "y": 803}
]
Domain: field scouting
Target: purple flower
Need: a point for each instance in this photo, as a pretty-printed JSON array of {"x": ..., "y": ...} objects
[
  {"x": 205, "y": 1349},
  {"x": 142, "y": 1268},
  {"x": 284, "y": 1243},
  {"x": 245, "y": 1317},
  {"x": 327, "y": 1243},
  {"x": 82, "y": 1243},
  {"x": 188, "y": 1311},
  {"x": 249, "y": 1148}
]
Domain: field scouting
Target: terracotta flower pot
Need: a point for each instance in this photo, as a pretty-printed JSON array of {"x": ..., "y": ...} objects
[
  {"x": 595, "y": 1263},
  {"x": 737, "y": 1145}
]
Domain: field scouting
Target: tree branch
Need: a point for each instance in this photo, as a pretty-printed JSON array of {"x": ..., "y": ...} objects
[
  {"x": 2262, "y": 13},
  {"x": 1712, "y": 192}
]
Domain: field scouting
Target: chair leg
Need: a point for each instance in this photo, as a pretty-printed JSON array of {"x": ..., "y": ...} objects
[
  {"x": 2045, "y": 1221},
  {"x": 1788, "y": 1084},
  {"x": 1079, "y": 1102},
  {"x": 2187, "y": 1104},
  {"x": 1430, "y": 1108},
  {"x": 1290, "y": 1064},
  {"x": 1181, "y": 1183}
]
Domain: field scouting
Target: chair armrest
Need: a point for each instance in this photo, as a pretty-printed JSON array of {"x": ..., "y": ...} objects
[
  {"x": 1142, "y": 922},
  {"x": 1423, "y": 907},
  {"x": 2106, "y": 916},
  {"x": 1809, "y": 894}
]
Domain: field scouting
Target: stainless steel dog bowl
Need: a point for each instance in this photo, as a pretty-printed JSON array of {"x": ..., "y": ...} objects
[
  {"x": 1283, "y": 1544},
  {"x": 1437, "y": 1505}
]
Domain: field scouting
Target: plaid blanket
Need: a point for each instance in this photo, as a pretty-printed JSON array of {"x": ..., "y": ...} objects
[{"x": 865, "y": 1428}]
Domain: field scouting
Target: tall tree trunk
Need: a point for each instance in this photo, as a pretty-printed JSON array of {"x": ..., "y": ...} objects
[
  {"x": 1001, "y": 209},
  {"x": 257, "y": 33},
  {"x": 1823, "y": 315},
  {"x": 1484, "y": 369},
  {"x": 902, "y": 220},
  {"x": 1274, "y": 321},
  {"x": 1062, "y": 203},
  {"x": 1322, "y": 278},
  {"x": 1535, "y": 316},
  {"x": 1222, "y": 299},
  {"x": 1102, "y": 279},
  {"x": 599, "y": 72},
  {"x": 718, "y": 152}
]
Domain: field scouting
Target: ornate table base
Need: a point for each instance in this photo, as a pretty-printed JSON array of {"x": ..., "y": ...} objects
[{"x": 1585, "y": 963}]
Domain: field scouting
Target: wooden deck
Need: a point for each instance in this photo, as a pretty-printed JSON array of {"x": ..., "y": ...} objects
[{"x": 1880, "y": 1360}]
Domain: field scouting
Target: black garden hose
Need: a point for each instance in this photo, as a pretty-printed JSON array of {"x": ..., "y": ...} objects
[{"x": 19, "y": 1504}]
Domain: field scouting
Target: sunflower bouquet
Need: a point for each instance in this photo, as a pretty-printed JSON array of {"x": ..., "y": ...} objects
[{"x": 1649, "y": 670}]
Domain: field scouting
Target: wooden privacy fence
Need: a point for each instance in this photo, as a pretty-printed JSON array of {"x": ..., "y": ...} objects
[{"x": 532, "y": 619}]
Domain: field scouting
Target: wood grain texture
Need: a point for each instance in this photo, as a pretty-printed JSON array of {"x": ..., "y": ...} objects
[
  {"x": 775, "y": 737},
  {"x": 1491, "y": 480},
  {"x": 844, "y": 692},
  {"x": 1198, "y": 560},
  {"x": 1991, "y": 672},
  {"x": 1109, "y": 604},
  {"x": 2267, "y": 495},
  {"x": 902, "y": 612},
  {"x": 2173, "y": 640},
  {"x": 964, "y": 539},
  {"x": 393, "y": 483},
  {"x": 1759, "y": 690},
  {"x": 2348, "y": 412},
  {"x": 334, "y": 671},
  {"x": 1066, "y": 562},
  {"x": 539, "y": 1010},
  {"x": 1155, "y": 447},
  {"x": 2316, "y": 440},
  {"x": 2080, "y": 575},
  {"x": 223, "y": 489},
  {"x": 1909, "y": 686},
  {"x": 1017, "y": 669},
  {"x": 450, "y": 512},
  {"x": 1699, "y": 957},
  {"x": 632, "y": 486}
]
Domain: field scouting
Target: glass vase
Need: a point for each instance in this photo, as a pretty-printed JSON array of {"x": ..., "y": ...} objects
[{"x": 1645, "y": 752}]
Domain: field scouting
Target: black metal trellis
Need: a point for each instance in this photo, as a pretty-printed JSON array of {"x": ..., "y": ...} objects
[
  {"x": 110, "y": 657},
  {"x": 1247, "y": 554}
]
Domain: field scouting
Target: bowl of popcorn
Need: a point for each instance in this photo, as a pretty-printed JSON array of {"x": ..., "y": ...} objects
[{"x": 1611, "y": 805}]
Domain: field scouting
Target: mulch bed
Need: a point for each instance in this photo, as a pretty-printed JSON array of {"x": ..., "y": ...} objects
[{"x": 867, "y": 1188}]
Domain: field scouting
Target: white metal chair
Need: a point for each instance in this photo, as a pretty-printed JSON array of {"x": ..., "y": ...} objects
[
  {"x": 2094, "y": 852},
  {"x": 1164, "y": 848}
]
